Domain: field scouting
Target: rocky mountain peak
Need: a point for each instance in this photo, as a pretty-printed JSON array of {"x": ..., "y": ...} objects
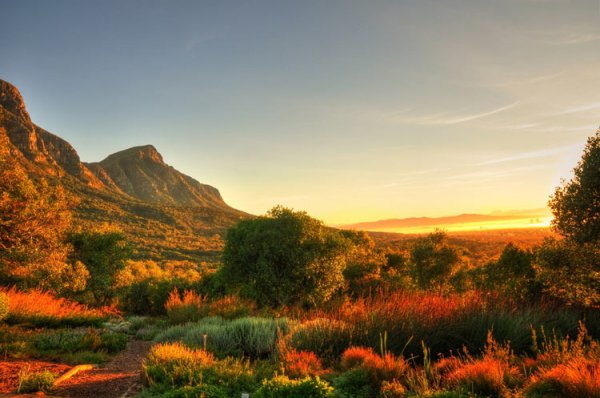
[
  {"x": 143, "y": 152},
  {"x": 12, "y": 101}
]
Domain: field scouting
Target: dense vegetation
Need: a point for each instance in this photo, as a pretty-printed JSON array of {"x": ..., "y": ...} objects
[{"x": 298, "y": 309}]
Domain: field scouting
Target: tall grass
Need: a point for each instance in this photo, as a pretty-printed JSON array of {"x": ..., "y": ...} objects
[
  {"x": 249, "y": 336},
  {"x": 443, "y": 323},
  {"x": 42, "y": 309}
]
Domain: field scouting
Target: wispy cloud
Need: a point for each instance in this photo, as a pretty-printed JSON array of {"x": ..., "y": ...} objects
[
  {"x": 573, "y": 38},
  {"x": 529, "y": 155},
  {"x": 449, "y": 119},
  {"x": 583, "y": 108}
]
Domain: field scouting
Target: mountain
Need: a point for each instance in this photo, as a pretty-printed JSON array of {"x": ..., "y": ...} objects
[
  {"x": 142, "y": 173},
  {"x": 501, "y": 219},
  {"x": 165, "y": 213}
]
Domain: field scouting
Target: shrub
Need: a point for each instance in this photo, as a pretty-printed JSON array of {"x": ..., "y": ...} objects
[
  {"x": 299, "y": 364},
  {"x": 355, "y": 383},
  {"x": 186, "y": 308},
  {"x": 175, "y": 364},
  {"x": 231, "y": 307},
  {"x": 578, "y": 378},
  {"x": 326, "y": 337},
  {"x": 283, "y": 387},
  {"x": 71, "y": 341},
  {"x": 392, "y": 389},
  {"x": 36, "y": 381},
  {"x": 487, "y": 377},
  {"x": 3, "y": 305},
  {"x": 169, "y": 366},
  {"x": 43, "y": 309},
  {"x": 251, "y": 336},
  {"x": 379, "y": 367}
]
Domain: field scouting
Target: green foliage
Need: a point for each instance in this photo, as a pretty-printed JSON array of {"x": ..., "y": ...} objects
[
  {"x": 576, "y": 204},
  {"x": 3, "y": 305},
  {"x": 174, "y": 366},
  {"x": 283, "y": 387},
  {"x": 250, "y": 336},
  {"x": 37, "y": 381},
  {"x": 103, "y": 254},
  {"x": 70, "y": 341},
  {"x": 569, "y": 271},
  {"x": 433, "y": 261},
  {"x": 284, "y": 258},
  {"x": 328, "y": 338},
  {"x": 513, "y": 274},
  {"x": 354, "y": 383}
]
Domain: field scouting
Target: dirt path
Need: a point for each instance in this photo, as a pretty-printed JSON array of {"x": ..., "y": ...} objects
[{"x": 119, "y": 378}]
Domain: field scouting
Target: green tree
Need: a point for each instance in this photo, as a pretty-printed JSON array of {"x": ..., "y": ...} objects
[
  {"x": 34, "y": 218},
  {"x": 576, "y": 204},
  {"x": 284, "y": 258},
  {"x": 513, "y": 273},
  {"x": 570, "y": 269},
  {"x": 104, "y": 254},
  {"x": 434, "y": 263}
]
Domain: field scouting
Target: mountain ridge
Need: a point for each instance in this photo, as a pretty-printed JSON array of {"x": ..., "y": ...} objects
[{"x": 166, "y": 213}]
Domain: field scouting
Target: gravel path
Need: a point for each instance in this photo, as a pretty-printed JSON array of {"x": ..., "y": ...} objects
[{"x": 118, "y": 379}]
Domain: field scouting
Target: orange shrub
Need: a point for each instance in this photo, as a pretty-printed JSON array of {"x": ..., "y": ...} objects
[
  {"x": 231, "y": 307},
  {"x": 300, "y": 364},
  {"x": 188, "y": 308},
  {"x": 578, "y": 378},
  {"x": 486, "y": 377},
  {"x": 381, "y": 368},
  {"x": 392, "y": 389},
  {"x": 44, "y": 309}
]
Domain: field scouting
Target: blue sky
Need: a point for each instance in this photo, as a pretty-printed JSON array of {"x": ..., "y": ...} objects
[{"x": 350, "y": 110}]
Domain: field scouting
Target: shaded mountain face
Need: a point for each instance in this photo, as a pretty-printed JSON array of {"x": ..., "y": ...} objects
[{"x": 166, "y": 213}]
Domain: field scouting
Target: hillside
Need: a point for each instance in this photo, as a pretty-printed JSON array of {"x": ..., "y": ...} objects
[{"x": 165, "y": 214}]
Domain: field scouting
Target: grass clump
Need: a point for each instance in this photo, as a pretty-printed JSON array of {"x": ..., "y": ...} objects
[
  {"x": 249, "y": 336},
  {"x": 174, "y": 368},
  {"x": 36, "y": 381},
  {"x": 284, "y": 387}
]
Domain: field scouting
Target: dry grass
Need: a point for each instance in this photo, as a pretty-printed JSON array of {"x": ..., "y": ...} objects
[
  {"x": 579, "y": 378},
  {"x": 44, "y": 309},
  {"x": 386, "y": 367}
]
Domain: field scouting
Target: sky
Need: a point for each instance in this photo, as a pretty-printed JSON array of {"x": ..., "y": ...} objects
[{"x": 350, "y": 110}]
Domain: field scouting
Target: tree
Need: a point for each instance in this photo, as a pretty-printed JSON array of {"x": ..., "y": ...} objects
[
  {"x": 104, "y": 254},
  {"x": 433, "y": 262},
  {"x": 513, "y": 273},
  {"x": 576, "y": 204},
  {"x": 284, "y": 258},
  {"x": 570, "y": 269},
  {"x": 34, "y": 218}
]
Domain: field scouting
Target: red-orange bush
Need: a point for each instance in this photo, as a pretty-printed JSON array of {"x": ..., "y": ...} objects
[
  {"x": 381, "y": 368},
  {"x": 187, "y": 308},
  {"x": 300, "y": 364},
  {"x": 578, "y": 378},
  {"x": 44, "y": 309}
]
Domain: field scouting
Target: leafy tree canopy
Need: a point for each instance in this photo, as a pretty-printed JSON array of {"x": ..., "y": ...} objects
[
  {"x": 576, "y": 204},
  {"x": 285, "y": 258},
  {"x": 104, "y": 254},
  {"x": 34, "y": 218}
]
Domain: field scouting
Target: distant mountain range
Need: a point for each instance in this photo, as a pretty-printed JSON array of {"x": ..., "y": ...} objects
[
  {"x": 164, "y": 212},
  {"x": 533, "y": 217}
]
